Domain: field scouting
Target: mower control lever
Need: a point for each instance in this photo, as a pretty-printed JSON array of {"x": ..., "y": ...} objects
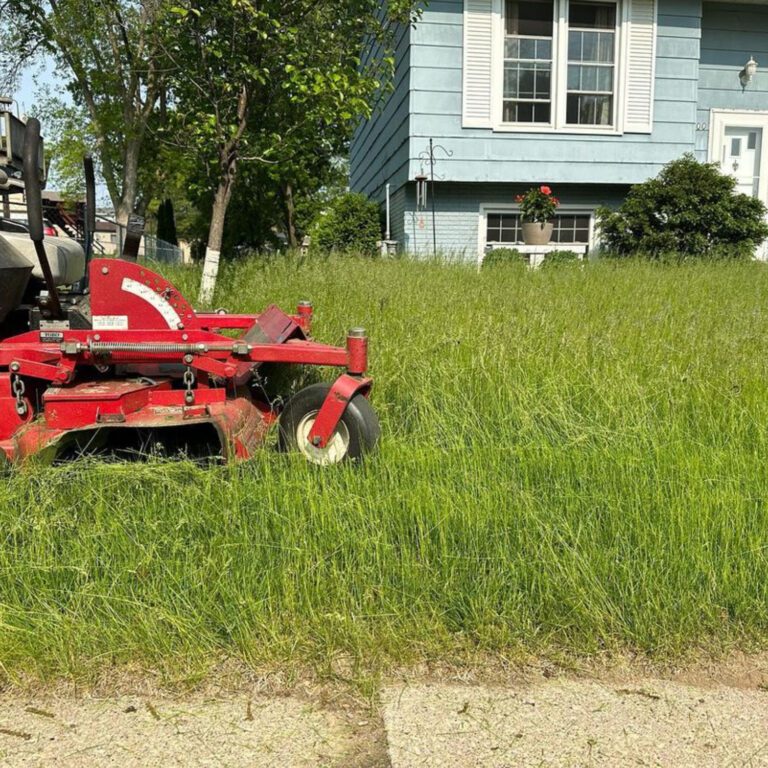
[{"x": 34, "y": 195}]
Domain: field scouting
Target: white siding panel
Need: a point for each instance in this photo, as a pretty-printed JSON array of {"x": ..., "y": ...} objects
[
  {"x": 641, "y": 66},
  {"x": 478, "y": 64}
]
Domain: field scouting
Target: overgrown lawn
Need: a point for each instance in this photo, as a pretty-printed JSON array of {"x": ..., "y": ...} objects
[{"x": 573, "y": 460}]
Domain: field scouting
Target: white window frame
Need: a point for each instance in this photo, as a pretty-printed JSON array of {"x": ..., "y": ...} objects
[
  {"x": 568, "y": 210},
  {"x": 559, "y": 82}
]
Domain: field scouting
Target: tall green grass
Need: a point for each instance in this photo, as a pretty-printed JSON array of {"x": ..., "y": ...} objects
[{"x": 572, "y": 460}]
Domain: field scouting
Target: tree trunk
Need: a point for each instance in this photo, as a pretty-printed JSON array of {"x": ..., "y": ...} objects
[
  {"x": 130, "y": 185},
  {"x": 290, "y": 215},
  {"x": 216, "y": 236},
  {"x": 227, "y": 163}
]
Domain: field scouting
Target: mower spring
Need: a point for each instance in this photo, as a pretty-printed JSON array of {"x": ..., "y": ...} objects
[{"x": 146, "y": 348}]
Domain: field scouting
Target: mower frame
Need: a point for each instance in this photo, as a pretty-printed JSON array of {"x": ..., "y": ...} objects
[{"x": 153, "y": 362}]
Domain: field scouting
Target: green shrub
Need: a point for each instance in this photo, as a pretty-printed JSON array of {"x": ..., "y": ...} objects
[
  {"x": 689, "y": 209},
  {"x": 558, "y": 258},
  {"x": 502, "y": 256},
  {"x": 351, "y": 223}
]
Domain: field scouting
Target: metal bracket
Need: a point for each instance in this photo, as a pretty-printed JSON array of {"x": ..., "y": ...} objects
[{"x": 334, "y": 407}]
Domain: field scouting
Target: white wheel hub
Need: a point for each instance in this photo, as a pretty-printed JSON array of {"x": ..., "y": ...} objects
[{"x": 333, "y": 453}]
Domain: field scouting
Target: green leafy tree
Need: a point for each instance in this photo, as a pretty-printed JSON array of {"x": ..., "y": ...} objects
[
  {"x": 690, "y": 209},
  {"x": 255, "y": 82},
  {"x": 108, "y": 55}
]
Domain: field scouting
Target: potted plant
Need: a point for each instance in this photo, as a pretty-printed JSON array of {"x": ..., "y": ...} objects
[{"x": 537, "y": 209}]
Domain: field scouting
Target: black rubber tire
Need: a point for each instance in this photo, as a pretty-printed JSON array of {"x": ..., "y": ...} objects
[{"x": 360, "y": 420}]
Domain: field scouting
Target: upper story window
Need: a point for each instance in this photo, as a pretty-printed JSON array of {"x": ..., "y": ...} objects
[
  {"x": 591, "y": 63},
  {"x": 528, "y": 61},
  {"x": 560, "y": 63}
]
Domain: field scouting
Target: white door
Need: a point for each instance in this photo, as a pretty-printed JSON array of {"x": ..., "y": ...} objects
[
  {"x": 742, "y": 148},
  {"x": 741, "y": 158}
]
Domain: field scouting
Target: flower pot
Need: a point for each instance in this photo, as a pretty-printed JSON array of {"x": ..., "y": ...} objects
[{"x": 537, "y": 232}]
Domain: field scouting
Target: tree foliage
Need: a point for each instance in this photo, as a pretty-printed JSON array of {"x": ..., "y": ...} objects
[
  {"x": 179, "y": 98},
  {"x": 108, "y": 55},
  {"x": 349, "y": 225},
  {"x": 689, "y": 209},
  {"x": 271, "y": 83}
]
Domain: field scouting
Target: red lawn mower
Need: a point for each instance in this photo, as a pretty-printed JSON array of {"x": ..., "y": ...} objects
[{"x": 105, "y": 353}]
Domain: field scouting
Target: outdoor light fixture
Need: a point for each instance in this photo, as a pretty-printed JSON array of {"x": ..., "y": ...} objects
[{"x": 749, "y": 71}]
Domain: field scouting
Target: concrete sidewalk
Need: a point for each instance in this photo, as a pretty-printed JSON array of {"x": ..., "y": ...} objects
[
  {"x": 637, "y": 721},
  {"x": 576, "y": 723},
  {"x": 130, "y": 732}
]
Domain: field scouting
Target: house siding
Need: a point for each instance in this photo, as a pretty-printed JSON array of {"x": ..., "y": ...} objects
[
  {"x": 458, "y": 213},
  {"x": 700, "y": 50},
  {"x": 482, "y": 155},
  {"x": 730, "y": 35},
  {"x": 398, "y": 205},
  {"x": 379, "y": 149}
]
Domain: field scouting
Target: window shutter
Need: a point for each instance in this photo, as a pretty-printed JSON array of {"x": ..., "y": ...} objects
[
  {"x": 641, "y": 66},
  {"x": 478, "y": 64}
]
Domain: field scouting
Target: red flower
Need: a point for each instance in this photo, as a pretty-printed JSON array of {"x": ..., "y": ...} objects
[
  {"x": 546, "y": 190},
  {"x": 519, "y": 199},
  {"x": 555, "y": 201}
]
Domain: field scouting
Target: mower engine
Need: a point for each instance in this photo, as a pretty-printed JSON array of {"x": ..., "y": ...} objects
[{"x": 124, "y": 355}]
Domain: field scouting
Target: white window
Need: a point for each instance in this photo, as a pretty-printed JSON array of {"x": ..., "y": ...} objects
[
  {"x": 575, "y": 66},
  {"x": 533, "y": 52},
  {"x": 504, "y": 228},
  {"x": 529, "y": 32},
  {"x": 592, "y": 40}
]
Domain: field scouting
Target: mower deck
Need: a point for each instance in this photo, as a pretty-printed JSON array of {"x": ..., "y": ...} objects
[{"x": 150, "y": 362}]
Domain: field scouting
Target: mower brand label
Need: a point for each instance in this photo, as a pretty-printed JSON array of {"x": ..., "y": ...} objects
[
  {"x": 51, "y": 337},
  {"x": 110, "y": 322},
  {"x": 168, "y": 313}
]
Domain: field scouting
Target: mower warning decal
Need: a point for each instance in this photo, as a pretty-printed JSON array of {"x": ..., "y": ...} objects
[
  {"x": 110, "y": 322},
  {"x": 169, "y": 314}
]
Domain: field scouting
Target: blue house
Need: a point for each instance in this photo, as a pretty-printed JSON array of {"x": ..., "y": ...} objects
[{"x": 587, "y": 96}]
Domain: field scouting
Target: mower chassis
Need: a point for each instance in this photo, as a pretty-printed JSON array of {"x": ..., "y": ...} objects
[{"x": 150, "y": 361}]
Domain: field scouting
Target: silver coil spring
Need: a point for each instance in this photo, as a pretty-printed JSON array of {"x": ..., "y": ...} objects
[{"x": 150, "y": 348}]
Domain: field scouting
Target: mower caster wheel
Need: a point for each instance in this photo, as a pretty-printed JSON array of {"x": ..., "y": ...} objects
[{"x": 357, "y": 432}]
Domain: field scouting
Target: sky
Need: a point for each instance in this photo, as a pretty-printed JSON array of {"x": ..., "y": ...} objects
[{"x": 26, "y": 95}]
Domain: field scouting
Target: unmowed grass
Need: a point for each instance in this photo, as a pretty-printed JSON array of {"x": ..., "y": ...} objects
[{"x": 573, "y": 460}]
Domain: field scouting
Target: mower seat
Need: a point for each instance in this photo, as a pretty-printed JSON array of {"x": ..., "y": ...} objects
[
  {"x": 14, "y": 277},
  {"x": 66, "y": 256}
]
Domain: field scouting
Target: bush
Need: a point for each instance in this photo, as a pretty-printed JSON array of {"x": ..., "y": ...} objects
[
  {"x": 501, "y": 256},
  {"x": 558, "y": 258},
  {"x": 350, "y": 224},
  {"x": 690, "y": 209}
]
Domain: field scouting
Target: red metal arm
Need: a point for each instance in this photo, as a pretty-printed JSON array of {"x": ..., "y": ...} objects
[{"x": 331, "y": 411}]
